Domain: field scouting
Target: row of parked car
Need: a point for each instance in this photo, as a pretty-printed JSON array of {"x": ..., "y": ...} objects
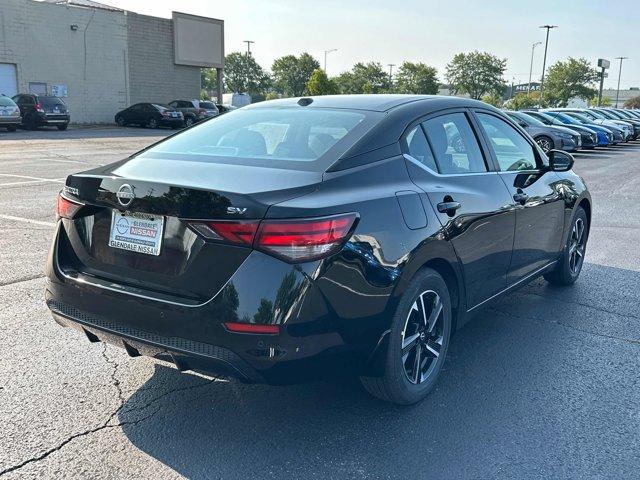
[
  {"x": 572, "y": 129},
  {"x": 31, "y": 111},
  {"x": 175, "y": 114}
]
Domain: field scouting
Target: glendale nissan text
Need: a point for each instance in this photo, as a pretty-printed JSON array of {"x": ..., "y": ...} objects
[{"x": 305, "y": 238}]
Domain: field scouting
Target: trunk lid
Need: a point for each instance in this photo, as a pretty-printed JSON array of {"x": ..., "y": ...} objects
[{"x": 187, "y": 266}]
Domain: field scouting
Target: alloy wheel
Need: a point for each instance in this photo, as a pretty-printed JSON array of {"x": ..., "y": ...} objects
[
  {"x": 422, "y": 337},
  {"x": 577, "y": 245},
  {"x": 153, "y": 123},
  {"x": 188, "y": 122},
  {"x": 545, "y": 145}
]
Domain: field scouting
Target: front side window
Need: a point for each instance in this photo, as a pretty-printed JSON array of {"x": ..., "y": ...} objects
[
  {"x": 454, "y": 144},
  {"x": 416, "y": 145},
  {"x": 512, "y": 150}
]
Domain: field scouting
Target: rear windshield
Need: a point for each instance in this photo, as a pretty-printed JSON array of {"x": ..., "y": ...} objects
[
  {"x": 6, "y": 102},
  {"x": 161, "y": 107},
  {"x": 50, "y": 101},
  {"x": 207, "y": 105},
  {"x": 275, "y": 137}
]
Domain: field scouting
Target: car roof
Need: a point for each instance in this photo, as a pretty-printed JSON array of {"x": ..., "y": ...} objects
[{"x": 377, "y": 103}]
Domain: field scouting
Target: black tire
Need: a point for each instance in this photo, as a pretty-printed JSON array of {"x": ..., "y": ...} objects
[
  {"x": 63, "y": 126},
  {"x": 11, "y": 128},
  {"x": 188, "y": 122},
  {"x": 569, "y": 266},
  {"x": 545, "y": 143},
  {"x": 120, "y": 121},
  {"x": 152, "y": 123},
  {"x": 401, "y": 383}
]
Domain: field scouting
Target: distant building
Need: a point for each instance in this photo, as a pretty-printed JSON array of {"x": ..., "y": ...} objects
[{"x": 101, "y": 59}]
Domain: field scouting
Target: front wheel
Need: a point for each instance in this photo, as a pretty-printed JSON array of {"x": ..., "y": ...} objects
[
  {"x": 11, "y": 128},
  {"x": 418, "y": 342},
  {"x": 120, "y": 121},
  {"x": 545, "y": 143},
  {"x": 570, "y": 263}
]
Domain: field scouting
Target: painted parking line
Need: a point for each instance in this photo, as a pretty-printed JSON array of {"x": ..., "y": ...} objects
[
  {"x": 41, "y": 179},
  {"x": 27, "y": 182},
  {"x": 27, "y": 220}
]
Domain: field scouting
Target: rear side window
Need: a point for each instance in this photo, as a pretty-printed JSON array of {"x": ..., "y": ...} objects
[
  {"x": 417, "y": 146},
  {"x": 512, "y": 151},
  {"x": 454, "y": 144},
  {"x": 207, "y": 105},
  {"x": 266, "y": 136}
]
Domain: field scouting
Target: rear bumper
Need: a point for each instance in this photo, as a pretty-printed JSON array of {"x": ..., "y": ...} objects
[
  {"x": 4, "y": 121},
  {"x": 325, "y": 331},
  {"x": 52, "y": 119}
]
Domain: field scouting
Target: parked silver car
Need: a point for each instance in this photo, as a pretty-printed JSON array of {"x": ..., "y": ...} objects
[
  {"x": 10, "y": 116},
  {"x": 195, "y": 111}
]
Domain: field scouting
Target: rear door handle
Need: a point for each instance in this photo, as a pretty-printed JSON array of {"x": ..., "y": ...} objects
[
  {"x": 448, "y": 207},
  {"x": 520, "y": 198}
]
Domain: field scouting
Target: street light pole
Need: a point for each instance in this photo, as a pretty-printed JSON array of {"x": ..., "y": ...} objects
[
  {"x": 325, "y": 57},
  {"x": 391, "y": 65},
  {"x": 248, "y": 42},
  {"x": 619, "y": 75},
  {"x": 544, "y": 62},
  {"x": 533, "y": 48}
]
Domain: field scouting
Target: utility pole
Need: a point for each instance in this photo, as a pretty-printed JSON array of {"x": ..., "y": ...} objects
[
  {"x": 248, "y": 42},
  {"x": 533, "y": 48},
  {"x": 619, "y": 75},
  {"x": 391, "y": 65},
  {"x": 544, "y": 62},
  {"x": 325, "y": 57}
]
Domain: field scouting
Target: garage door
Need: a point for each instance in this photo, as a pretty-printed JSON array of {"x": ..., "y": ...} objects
[{"x": 8, "y": 83}]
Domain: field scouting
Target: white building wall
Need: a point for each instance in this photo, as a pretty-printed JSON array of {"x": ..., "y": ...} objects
[{"x": 90, "y": 61}]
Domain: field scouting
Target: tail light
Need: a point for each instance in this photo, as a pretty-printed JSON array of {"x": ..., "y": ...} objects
[
  {"x": 66, "y": 208},
  {"x": 201, "y": 111},
  {"x": 39, "y": 108},
  {"x": 291, "y": 240}
]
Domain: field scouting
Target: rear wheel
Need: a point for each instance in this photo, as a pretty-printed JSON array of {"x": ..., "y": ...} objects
[
  {"x": 188, "y": 121},
  {"x": 63, "y": 126},
  {"x": 418, "y": 342},
  {"x": 570, "y": 263},
  {"x": 120, "y": 121},
  {"x": 545, "y": 143},
  {"x": 152, "y": 123}
]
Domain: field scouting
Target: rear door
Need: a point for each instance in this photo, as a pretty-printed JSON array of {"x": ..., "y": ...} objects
[
  {"x": 536, "y": 192},
  {"x": 445, "y": 159}
]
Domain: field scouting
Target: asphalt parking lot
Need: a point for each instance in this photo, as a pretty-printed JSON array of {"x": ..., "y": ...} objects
[{"x": 543, "y": 384}]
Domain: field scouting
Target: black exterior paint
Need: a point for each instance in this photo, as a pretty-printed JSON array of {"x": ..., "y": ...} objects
[{"x": 334, "y": 312}]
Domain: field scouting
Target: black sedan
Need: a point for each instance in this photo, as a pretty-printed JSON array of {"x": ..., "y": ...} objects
[
  {"x": 299, "y": 239},
  {"x": 151, "y": 115}
]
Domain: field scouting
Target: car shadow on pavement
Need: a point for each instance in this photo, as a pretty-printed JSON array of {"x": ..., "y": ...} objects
[{"x": 529, "y": 389}]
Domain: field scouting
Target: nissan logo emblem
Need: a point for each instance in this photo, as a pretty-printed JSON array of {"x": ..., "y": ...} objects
[{"x": 125, "y": 195}]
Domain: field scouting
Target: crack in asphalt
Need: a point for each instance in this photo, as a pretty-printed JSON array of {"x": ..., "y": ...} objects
[
  {"x": 107, "y": 423},
  {"x": 22, "y": 279},
  {"x": 594, "y": 307},
  {"x": 566, "y": 325}
]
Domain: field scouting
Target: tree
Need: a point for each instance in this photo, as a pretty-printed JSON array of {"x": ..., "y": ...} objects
[
  {"x": 416, "y": 78},
  {"x": 493, "y": 99},
  {"x": 566, "y": 80},
  {"x": 208, "y": 79},
  {"x": 364, "y": 78},
  {"x": 605, "y": 102},
  {"x": 291, "y": 74},
  {"x": 243, "y": 74},
  {"x": 320, "y": 84},
  {"x": 524, "y": 100},
  {"x": 632, "y": 102},
  {"x": 476, "y": 73}
]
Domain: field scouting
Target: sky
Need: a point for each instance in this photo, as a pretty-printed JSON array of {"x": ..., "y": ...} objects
[{"x": 426, "y": 31}]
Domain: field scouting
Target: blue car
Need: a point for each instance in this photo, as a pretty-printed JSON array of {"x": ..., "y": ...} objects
[{"x": 605, "y": 137}]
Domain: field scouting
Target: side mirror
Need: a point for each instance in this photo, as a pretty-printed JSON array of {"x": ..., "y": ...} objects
[{"x": 560, "y": 161}]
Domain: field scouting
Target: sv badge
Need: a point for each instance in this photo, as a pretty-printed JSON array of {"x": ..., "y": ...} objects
[{"x": 236, "y": 210}]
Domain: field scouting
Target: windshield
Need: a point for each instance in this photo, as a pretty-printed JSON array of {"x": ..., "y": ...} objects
[
  {"x": 6, "y": 102},
  {"x": 565, "y": 118},
  {"x": 540, "y": 115},
  {"x": 594, "y": 114},
  {"x": 606, "y": 115},
  {"x": 274, "y": 137},
  {"x": 579, "y": 117}
]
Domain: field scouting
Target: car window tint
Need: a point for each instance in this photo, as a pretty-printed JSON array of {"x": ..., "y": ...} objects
[
  {"x": 417, "y": 146},
  {"x": 511, "y": 149},
  {"x": 454, "y": 144}
]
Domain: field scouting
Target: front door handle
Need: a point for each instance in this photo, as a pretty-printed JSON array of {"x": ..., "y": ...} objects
[
  {"x": 448, "y": 207},
  {"x": 520, "y": 198}
]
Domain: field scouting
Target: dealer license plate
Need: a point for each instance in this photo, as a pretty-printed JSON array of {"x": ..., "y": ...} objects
[{"x": 136, "y": 232}]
